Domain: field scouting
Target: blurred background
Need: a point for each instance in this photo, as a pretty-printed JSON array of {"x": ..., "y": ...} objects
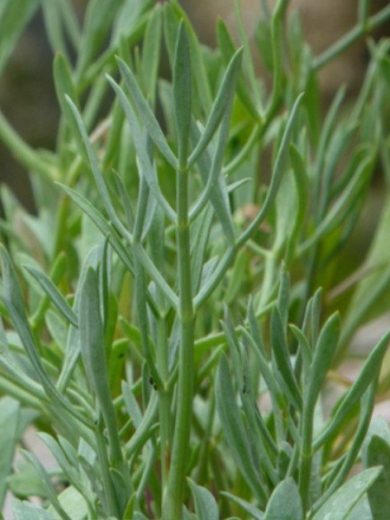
[{"x": 27, "y": 96}]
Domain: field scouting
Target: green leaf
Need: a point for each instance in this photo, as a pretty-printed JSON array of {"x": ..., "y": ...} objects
[
  {"x": 304, "y": 347},
  {"x": 171, "y": 24},
  {"x": 27, "y": 511},
  {"x": 25, "y": 482},
  {"x": 97, "y": 24},
  {"x": 9, "y": 418},
  {"x": 14, "y": 302},
  {"x": 15, "y": 15},
  {"x": 367, "y": 375},
  {"x": 200, "y": 233},
  {"x": 234, "y": 430},
  {"x": 64, "y": 83},
  {"x": 52, "y": 11},
  {"x": 145, "y": 428},
  {"x": 55, "y": 296},
  {"x": 277, "y": 172},
  {"x": 70, "y": 472},
  {"x": 340, "y": 472},
  {"x": 205, "y": 505},
  {"x": 132, "y": 407},
  {"x": 215, "y": 188},
  {"x": 101, "y": 223},
  {"x": 249, "y": 508},
  {"x": 343, "y": 205},
  {"x": 228, "y": 49},
  {"x": 48, "y": 485},
  {"x": 145, "y": 113},
  {"x": 362, "y": 510},
  {"x": 339, "y": 505},
  {"x": 285, "y": 502},
  {"x": 379, "y": 427},
  {"x": 182, "y": 93},
  {"x": 376, "y": 282},
  {"x": 73, "y": 503},
  {"x": 129, "y": 16},
  {"x": 145, "y": 162},
  {"x": 94, "y": 356},
  {"x": 282, "y": 358},
  {"x": 72, "y": 351},
  {"x": 91, "y": 158},
  {"x": 378, "y": 454},
  {"x": 151, "y": 50},
  {"x": 222, "y": 103},
  {"x": 322, "y": 359}
]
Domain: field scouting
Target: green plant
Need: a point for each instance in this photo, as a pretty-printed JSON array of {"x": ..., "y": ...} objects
[{"x": 167, "y": 314}]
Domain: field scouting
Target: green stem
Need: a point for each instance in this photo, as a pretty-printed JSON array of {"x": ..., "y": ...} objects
[
  {"x": 108, "y": 486},
  {"x": 351, "y": 37},
  {"x": 306, "y": 455},
  {"x": 164, "y": 400},
  {"x": 173, "y": 499}
]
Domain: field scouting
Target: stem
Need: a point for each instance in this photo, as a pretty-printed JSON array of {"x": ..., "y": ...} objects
[
  {"x": 106, "y": 477},
  {"x": 164, "y": 400},
  {"x": 306, "y": 457},
  {"x": 174, "y": 493},
  {"x": 351, "y": 37}
]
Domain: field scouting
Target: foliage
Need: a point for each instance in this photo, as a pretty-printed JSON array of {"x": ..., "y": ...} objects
[{"x": 168, "y": 286}]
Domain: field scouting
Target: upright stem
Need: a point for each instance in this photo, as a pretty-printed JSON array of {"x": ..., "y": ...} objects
[
  {"x": 306, "y": 456},
  {"x": 164, "y": 400},
  {"x": 173, "y": 499},
  {"x": 109, "y": 492}
]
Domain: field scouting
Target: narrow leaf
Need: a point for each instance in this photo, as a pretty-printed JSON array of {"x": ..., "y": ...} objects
[
  {"x": 55, "y": 296},
  {"x": 378, "y": 454},
  {"x": 367, "y": 375},
  {"x": 94, "y": 356},
  {"x": 277, "y": 172},
  {"x": 323, "y": 354},
  {"x": 285, "y": 502},
  {"x": 234, "y": 430},
  {"x": 221, "y": 104},
  {"x": 249, "y": 508},
  {"x": 15, "y": 15},
  {"x": 182, "y": 93},
  {"x": 344, "y": 499},
  {"x": 282, "y": 357},
  {"x": 63, "y": 82},
  {"x": 145, "y": 114},
  {"x": 91, "y": 158},
  {"x": 28, "y": 511},
  {"x": 205, "y": 505},
  {"x": 9, "y": 419}
]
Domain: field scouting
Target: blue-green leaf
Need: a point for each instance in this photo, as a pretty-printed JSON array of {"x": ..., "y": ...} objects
[
  {"x": 28, "y": 511},
  {"x": 14, "y": 16},
  {"x": 182, "y": 92},
  {"x": 145, "y": 113},
  {"x": 205, "y": 505},
  {"x": 9, "y": 419},
  {"x": 55, "y": 296},
  {"x": 285, "y": 502},
  {"x": 249, "y": 508},
  {"x": 234, "y": 430},
  {"x": 378, "y": 454},
  {"x": 340, "y": 504},
  {"x": 221, "y": 104}
]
